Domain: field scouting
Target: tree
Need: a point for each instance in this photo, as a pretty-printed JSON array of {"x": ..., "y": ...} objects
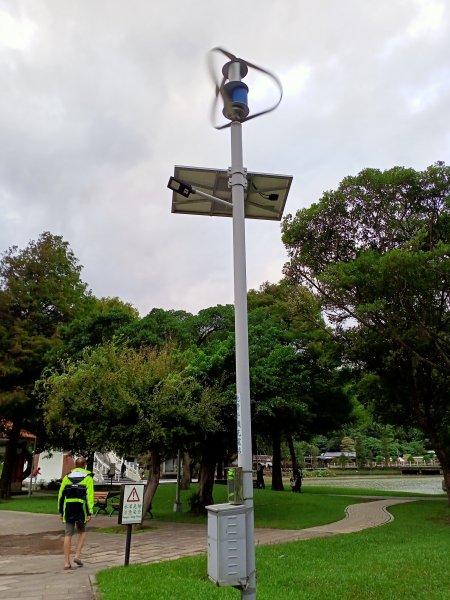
[
  {"x": 376, "y": 252},
  {"x": 361, "y": 452},
  {"x": 135, "y": 401},
  {"x": 296, "y": 387},
  {"x": 40, "y": 290},
  {"x": 213, "y": 366},
  {"x": 102, "y": 320},
  {"x": 347, "y": 444},
  {"x": 159, "y": 328}
]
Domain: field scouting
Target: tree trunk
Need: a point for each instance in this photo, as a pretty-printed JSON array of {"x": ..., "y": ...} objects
[
  {"x": 205, "y": 480},
  {"x": 90, "y": 462},
  {"x": 290, "y": 442},
  {"x": 431, "y": 428},
  {"x": 277, "y": 478},
  {"x": 219, "y": 468},
  {"x": 446, "y": 473},
  {"x": 445, "y": 464},
  {"x": 10, "y": 456},
  {"x": 186, "y": 475},
  {"x": 152, "y": 481}
]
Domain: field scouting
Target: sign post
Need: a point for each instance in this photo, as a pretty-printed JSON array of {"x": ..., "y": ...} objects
[{"x": 130, "y": 511}]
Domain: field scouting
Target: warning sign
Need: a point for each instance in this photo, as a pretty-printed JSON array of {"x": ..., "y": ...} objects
[
  {"x": 134, "y": 496},
  {"x": 131, "y": 503}
]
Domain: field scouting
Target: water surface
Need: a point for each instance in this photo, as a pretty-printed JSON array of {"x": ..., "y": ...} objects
[{"x": 421, "y": 484}]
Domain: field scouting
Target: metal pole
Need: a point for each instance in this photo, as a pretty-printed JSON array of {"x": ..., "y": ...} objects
[
  {"x": 128, "y": 545},
  {"x": 238, "y": 184}
]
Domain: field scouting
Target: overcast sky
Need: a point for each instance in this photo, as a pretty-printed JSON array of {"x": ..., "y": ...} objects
[{"x": 99, "y": 99}]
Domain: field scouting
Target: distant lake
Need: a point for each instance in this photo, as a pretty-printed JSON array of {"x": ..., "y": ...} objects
[{"x": 427, "y": 484}]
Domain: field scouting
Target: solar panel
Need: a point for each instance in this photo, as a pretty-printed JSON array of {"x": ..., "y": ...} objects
[{"x": 265, "y": 196}]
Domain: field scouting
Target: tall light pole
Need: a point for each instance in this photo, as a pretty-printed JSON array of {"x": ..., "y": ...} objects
[
  {"x": 233, "y": 71},
  {"x": 253, "y": 195}
]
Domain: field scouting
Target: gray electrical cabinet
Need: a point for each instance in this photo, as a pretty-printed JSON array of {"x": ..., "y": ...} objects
[{"x": 227, "y": 564}]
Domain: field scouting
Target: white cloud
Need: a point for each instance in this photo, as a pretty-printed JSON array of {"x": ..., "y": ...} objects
[
  {"x": 99, "y": 101},
  {"x": 295, "y": 78},
  {"x": 429, "y": 19},
  {"x": 15, "y": 33}
]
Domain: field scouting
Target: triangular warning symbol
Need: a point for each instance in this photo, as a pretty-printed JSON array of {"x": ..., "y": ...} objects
[{"x": 134, "y": 496}]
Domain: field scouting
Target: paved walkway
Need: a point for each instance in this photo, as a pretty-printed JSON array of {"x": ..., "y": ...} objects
[{"x": 41, "y": 577}]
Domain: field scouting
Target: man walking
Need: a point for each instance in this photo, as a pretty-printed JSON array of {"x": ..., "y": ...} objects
[
  {"x": 75, "y": 505},
  {"x": 260, "y": 477}
]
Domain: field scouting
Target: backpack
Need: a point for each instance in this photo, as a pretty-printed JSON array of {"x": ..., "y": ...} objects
[{"x": 74, "y": 498}]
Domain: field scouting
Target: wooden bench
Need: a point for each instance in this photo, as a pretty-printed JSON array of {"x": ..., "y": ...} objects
[{"x": 100, "y": 502}]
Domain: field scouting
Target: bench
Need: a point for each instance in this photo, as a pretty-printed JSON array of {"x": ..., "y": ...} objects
[
  {"x": 100, "y": 502},
  {"x": 115, "y": 504}
]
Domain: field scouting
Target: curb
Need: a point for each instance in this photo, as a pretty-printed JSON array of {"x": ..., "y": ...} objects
[{"x": 95, "y": 592}]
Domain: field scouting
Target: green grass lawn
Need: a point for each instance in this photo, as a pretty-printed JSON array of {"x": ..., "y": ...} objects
[
  {"x": 404, "y": 560},
  {"x": 282, "y": 510},
  {"x": 37, "y": 503}
]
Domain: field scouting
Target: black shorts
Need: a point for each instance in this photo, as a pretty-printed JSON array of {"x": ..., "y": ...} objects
[{"x": 70, "y": 527}]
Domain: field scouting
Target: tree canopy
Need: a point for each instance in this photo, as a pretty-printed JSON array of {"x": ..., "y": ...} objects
[
  {"x": 297, "y": 387},
  {"x": 40, "y": 291},
  {"x": 376, "y": 253},
  {"x": 136, "y": 401}
]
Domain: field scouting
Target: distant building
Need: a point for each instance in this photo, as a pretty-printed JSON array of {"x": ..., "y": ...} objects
[
  {"x": 326, "y": 458},
  {"x": 262, "y": 459}
]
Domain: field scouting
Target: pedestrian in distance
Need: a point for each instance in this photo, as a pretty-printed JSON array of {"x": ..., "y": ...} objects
[
  {"x": 296, "y": 480},
  {"x": 75, "y": 505},
  {"x": 260, "y": 477}
]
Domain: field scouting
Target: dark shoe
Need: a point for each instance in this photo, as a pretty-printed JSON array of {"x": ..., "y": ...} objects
[
  {"x": 67, "y": 568},
  {"x": 78, "y": 562}
]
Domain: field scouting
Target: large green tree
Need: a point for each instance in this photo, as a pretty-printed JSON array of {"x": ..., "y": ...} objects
[
  {"x": 135, "y": 401},
  {"x": 40, "y": 291},
  {"x": 160, "y": 327},
  {"x": 213, "y": 365},
  {"x": 103, "y": 320},
  {"x": 376, "y": 252},
  {"x": 297, "y": 387}
]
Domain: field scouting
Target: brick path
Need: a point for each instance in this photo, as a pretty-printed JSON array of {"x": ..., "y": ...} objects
[{"x": 41, "y": 577}]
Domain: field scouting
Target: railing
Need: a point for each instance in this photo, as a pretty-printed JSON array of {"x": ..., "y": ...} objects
[
  {"x": 102, "y": 467},
  {"x": 131, "y": 470}
]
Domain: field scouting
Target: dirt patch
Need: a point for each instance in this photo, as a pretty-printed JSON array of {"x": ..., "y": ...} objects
[{"x": 32, "y": 543}]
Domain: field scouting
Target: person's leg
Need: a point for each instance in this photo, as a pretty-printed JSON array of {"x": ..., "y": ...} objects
[
  {"x": 68, "y": 544},
  {"x": 80, "y": 542}
]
